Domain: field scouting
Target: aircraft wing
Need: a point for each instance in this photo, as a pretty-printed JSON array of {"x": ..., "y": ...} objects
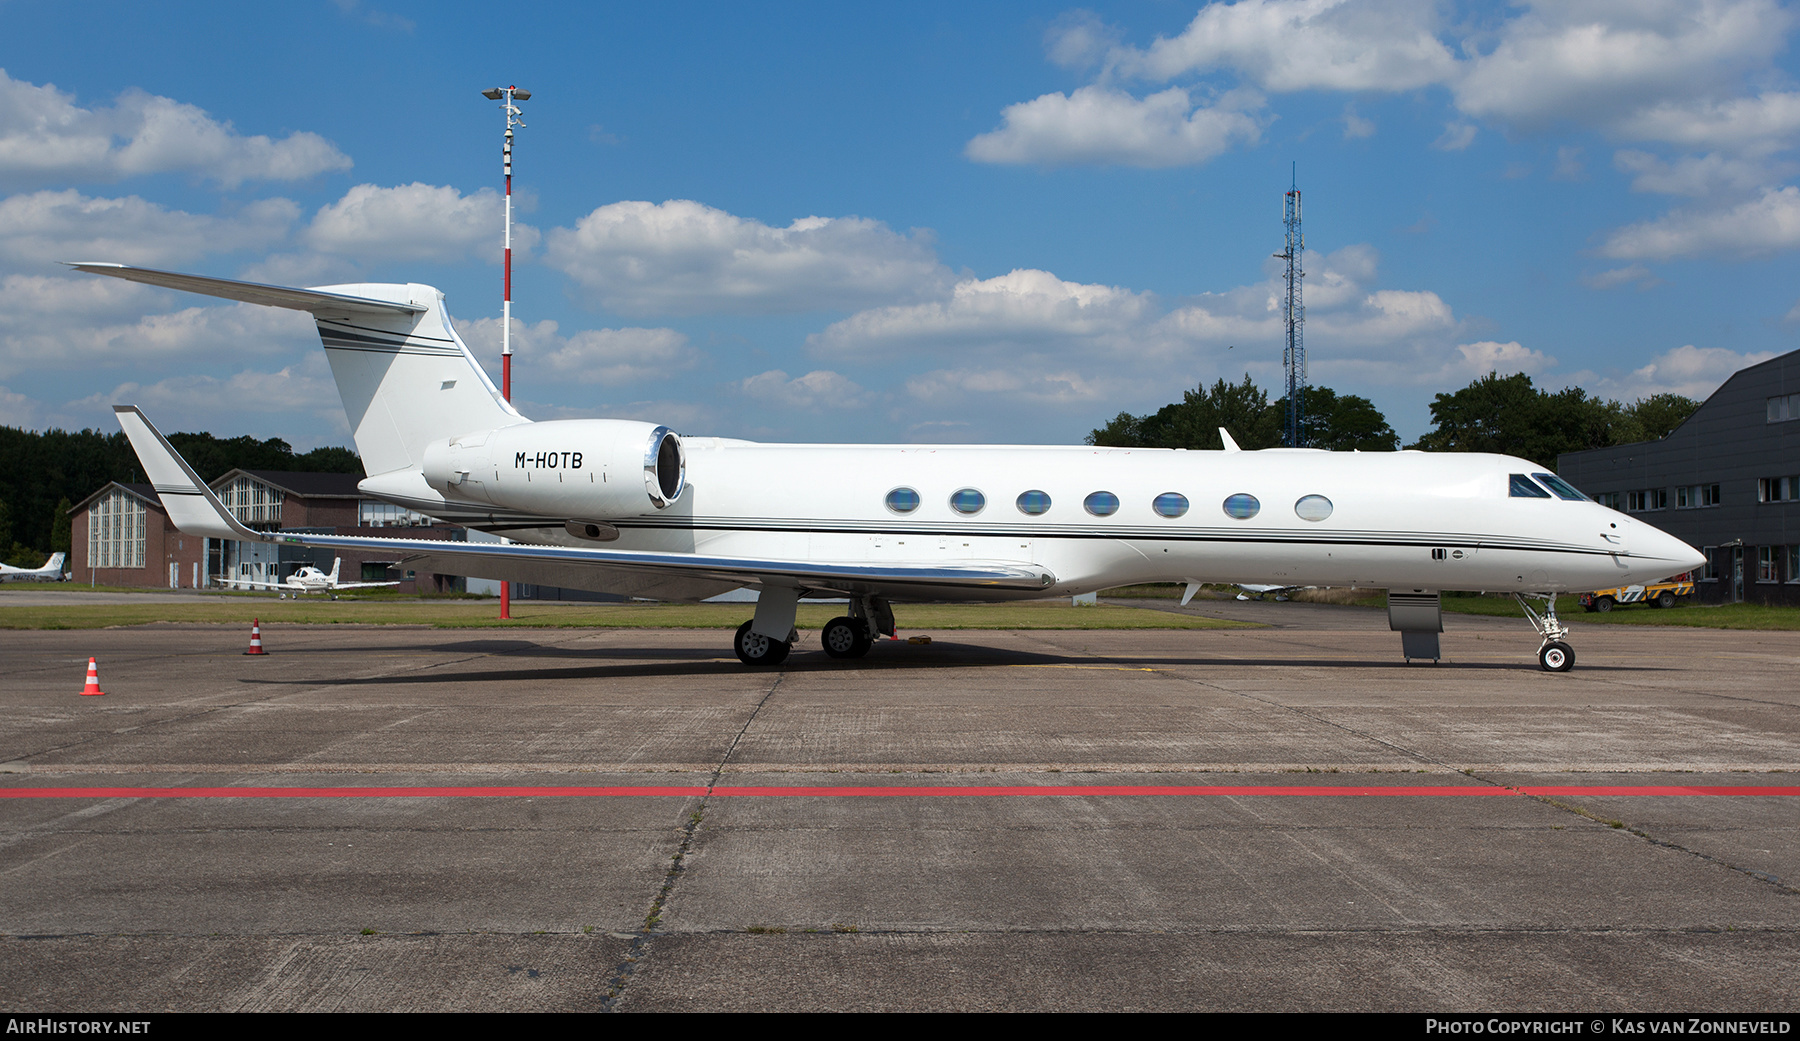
[
  {"x": 194, "y": 509},
  {"x": 359, "y": 585}
]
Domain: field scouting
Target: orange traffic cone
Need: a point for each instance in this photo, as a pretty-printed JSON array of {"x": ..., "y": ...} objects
[
  {"x": 256, "y": 637},
  {"x": 93, "y": 681}
]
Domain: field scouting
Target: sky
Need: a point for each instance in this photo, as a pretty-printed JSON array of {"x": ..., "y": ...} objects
[{"x": 924, "y": 222}]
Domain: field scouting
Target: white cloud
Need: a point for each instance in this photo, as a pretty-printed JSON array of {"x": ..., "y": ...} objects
[
  {"x": 1752, "y": 125},
  {"x": 680, "y": 257},
  {"x": 1691, "y": 371},
  {"x": 1022, "y": 306},
  {"x": 1289, "y": 45},
  {"x": 1569, "y": 166},
  {"x": 611, "y": 357},
  {"x": 818, "y": 389},
  {"x": 73, "y": 341},
  {"x": 21, "y": 412},
  {"x": 45, "y": 137},
  {"x": 1698, "y": 176},
  {"x": 39, "y": 228},
  {"x": 1636, "y": 274},
  {"x": 1356, "y": 126},
  {"x": 257, "y": 402},
  {"x": 1765, "y": 224},
  {"x": 949, "y": 386},
  {"x": 1099, "y": 124},
  {"x": 1605, "y": 63},
  {"x": 1078, "y": 39},
  {"x": 1457, "y": 136},
  {"x": 415, "y": 222}
]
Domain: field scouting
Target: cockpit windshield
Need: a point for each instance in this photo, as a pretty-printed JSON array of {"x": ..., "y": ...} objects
[
  {"x": 1524, "y": 487},
  {"x": 1562, "y": 488}
]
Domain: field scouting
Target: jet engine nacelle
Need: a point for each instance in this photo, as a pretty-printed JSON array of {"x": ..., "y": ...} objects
[{"x": 585, "y": 468}]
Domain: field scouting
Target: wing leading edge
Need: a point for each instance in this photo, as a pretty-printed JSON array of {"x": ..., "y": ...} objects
[{"x": 195, "y": 510}]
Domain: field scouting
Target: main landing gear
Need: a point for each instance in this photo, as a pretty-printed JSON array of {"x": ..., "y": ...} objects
[
  {"x": 1555, "y": 655},
  {"x": 849, "y": 636},
  {"x": 754, "y": 648}
]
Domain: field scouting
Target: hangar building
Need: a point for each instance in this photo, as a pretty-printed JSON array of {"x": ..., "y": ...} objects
[{"x": 1726, "y": 481}]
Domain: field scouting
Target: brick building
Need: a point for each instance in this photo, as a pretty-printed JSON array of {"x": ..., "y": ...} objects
[{"x": 122, "y": 536}]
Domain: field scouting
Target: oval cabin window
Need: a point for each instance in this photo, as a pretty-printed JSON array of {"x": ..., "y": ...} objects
[
  {"x": 1313, "y": 508},
  {"x": 1171, "y": 504},
  {"x": 967, "y": 501},
  {"x": 1242, "y": 506},
  {"x": 903, "y": 500},
  {"x": 1034, "y": 502},
  {"x": 1102, "y": 504}
]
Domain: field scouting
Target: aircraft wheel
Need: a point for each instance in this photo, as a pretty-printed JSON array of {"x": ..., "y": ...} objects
[
  {"x": 1666, "y": 598},
  {"x": 1557, "y": 656},
  {"x": 1604, "y": 604},
  {"x": 757, "y": 649},
  {"x": 845, "y": 638}
]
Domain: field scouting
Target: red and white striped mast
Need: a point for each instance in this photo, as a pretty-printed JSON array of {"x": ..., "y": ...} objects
[{"x": 509, "y": 95}]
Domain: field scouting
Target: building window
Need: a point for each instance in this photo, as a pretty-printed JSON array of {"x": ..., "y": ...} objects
[
  {"x": 1709, "y": 571},
  {"x": 1783, "y": 407},
  {"x": 373, "y": 514},
  {"x": 252, "y": 501},
  {"x": 116, "y": 531},
  {"x": 1695, "y": 496},
  {"x": 1768, "y": 563},
  {"x": 1610, "y": 500},
  {"x": 1648, "y": 499},
  {"x": 1777, "y": 489},
  {"x": 1792, "y": 572}
]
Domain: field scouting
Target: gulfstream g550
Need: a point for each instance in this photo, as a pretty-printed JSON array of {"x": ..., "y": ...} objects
[{"x": 635, "y": 508}]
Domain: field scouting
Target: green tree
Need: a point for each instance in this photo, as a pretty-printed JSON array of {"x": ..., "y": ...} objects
[
  {"x": 1506, "y": 415},
  {"x": 1194, "y": 421},
  {"x": 1340, "y": 422},
  {"x": 1658, "y": 415}
]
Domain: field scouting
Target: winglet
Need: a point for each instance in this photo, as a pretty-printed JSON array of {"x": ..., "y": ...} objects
[
  {"x": 192, "y": 507},
  {"x": 1230, "y": 445}
]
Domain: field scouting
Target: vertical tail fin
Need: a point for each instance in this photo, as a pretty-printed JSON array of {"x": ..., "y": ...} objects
[
  {"x": 336, "y": 562},
  {"x": 405, "y": 377}
]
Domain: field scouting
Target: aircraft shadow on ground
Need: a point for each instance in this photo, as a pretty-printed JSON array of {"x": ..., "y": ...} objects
[{"x": 662, "y": 661}]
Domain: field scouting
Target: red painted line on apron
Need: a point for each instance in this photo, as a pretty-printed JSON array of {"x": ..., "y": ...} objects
[{"x": 908, "y": 791}]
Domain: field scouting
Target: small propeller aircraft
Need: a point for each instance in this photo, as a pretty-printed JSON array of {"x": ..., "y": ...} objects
[
  {"x": 52, "y": 571},
  {"x": 308, "y": 579},
  {"x": 634, "y": 508}
]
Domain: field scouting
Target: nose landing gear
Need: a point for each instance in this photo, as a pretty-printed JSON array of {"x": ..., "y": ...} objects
[{"x": 1555, "y": 655}]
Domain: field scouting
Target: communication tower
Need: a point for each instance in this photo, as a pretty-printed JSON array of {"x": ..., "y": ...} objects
[
  {"x": 1294, "y": 358},
  {"x": 507, "y": 95}
]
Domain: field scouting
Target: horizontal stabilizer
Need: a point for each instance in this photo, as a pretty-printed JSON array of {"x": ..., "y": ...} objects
[{"x": 313, "y": 300}]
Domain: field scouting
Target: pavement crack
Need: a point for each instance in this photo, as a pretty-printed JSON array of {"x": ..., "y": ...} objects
[{"x": 640, "y": 941}]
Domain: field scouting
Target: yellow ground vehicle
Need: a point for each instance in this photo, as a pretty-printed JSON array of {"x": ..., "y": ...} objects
[{"x": 1657, "y": 594}]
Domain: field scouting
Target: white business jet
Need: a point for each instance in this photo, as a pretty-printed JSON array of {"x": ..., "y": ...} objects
[
  {"x": 308, "y": 579},
  {"x": 634, "y": 508},
  {"x": 52, "y": 571}
]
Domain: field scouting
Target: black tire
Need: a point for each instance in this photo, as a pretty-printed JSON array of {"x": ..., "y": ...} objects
[
  {"x": 1604, "y": 603},
  {"x": 1556, "y": 656},
  {"x": 756, "y": 649},
  {"x": 845, "y": 638},
  {"x": 1666, "y": 598}
]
